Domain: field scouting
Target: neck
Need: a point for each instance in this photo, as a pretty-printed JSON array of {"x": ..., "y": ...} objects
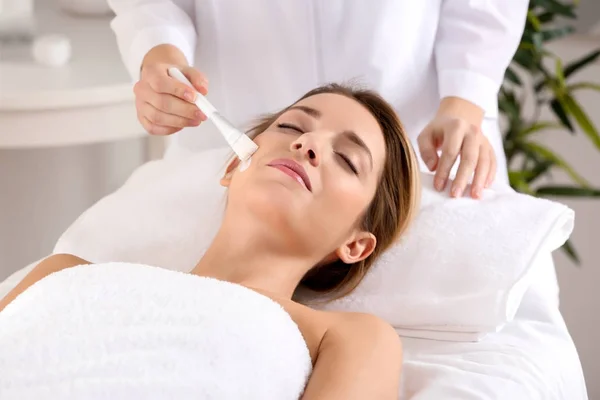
[{"x": 243, "y": 255}]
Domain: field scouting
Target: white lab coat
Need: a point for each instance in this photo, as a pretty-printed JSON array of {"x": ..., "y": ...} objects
[{"x": 261, "y": 55}]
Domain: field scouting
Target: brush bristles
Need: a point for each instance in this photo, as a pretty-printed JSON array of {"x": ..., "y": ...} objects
[{"x": 244, "y": 147}]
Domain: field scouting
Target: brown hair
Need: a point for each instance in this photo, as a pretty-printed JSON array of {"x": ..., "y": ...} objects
[{"x": 395, "y": 201}]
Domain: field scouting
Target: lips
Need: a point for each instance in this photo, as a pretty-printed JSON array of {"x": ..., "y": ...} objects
[{"x": 294, "y": 170}]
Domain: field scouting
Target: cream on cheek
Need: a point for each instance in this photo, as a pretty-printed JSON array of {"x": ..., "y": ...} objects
[{"x": 244, "y": 164}]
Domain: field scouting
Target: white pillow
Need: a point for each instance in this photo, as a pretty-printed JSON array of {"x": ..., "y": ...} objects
[{"x": 458, "y": 273}]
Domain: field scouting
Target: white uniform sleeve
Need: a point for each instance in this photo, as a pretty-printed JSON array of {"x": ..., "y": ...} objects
[
  {"x": 140, "y": 25},
  {"x": 476, "y": 42}
]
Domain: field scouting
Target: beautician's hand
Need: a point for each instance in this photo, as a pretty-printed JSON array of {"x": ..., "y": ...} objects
[
  {"x": 456, "y": 131},
  {"x": 165, "y": 105}
]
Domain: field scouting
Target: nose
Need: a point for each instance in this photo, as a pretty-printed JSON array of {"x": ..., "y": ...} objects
[{"x": 306, "y": 147}]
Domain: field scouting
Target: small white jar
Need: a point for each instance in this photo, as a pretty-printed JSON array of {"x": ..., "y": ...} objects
[{"x": 52, "y": 50}]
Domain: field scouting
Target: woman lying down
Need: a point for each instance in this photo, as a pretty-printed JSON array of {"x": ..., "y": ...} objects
[{"x": 333, "y": 184}]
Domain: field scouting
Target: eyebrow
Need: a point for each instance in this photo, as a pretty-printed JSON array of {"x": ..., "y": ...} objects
[
  {"x": 350, "y": 135},
  {"x": 308, "y": 110}
]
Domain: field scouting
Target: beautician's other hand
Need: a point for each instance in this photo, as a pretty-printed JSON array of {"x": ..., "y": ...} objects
[
  {"x": 456, "y": 130},
  {"x": 165, "y": 105}
]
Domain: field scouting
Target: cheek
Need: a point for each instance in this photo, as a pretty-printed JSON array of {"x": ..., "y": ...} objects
[
  {"x": 269, "y": 139},
  {"x": 347, "y": 200}
]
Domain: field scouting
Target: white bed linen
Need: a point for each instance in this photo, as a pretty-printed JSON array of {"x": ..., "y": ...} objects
[{"x": 532, "y": 358}]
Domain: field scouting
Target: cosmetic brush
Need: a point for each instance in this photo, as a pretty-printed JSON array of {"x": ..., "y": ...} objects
[{"x": 239, "y": 142}]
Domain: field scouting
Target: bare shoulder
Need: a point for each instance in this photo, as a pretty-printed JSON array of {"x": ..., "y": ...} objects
[
  {"x": 365, "y": 330},
  {"x": 313, "y": 324},
  {"x": 360, "y": 346},
  {"x": 57, "y": 262},
  {"x": 50, "y": 265}
]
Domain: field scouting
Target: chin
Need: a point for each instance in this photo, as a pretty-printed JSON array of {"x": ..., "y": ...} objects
[{"x": 277, "y": 207}]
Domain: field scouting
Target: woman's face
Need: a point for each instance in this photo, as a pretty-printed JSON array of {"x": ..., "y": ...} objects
[{"x": 314, "y": 175}]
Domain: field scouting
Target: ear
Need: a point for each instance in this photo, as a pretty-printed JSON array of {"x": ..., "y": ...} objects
[
  {"x": 226, "y": 179},
  {"x": 357, "y": 248}
]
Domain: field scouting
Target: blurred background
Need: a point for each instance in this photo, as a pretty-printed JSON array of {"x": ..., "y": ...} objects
[{"x": 69, "y": 135}]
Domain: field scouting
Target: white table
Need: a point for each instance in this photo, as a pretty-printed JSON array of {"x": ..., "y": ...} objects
[{"x": 90, "y": 100}]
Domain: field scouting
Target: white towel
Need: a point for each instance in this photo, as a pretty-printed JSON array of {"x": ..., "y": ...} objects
[{"x": 125, "y": 331}]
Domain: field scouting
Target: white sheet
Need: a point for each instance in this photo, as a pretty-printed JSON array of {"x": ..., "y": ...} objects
[{"x": 532, "y": 358}]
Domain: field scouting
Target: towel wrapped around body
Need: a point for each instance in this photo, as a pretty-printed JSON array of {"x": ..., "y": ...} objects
[{"x": 130, "y": 331}]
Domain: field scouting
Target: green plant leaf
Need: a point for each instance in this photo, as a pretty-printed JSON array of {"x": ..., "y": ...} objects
[
  {"x": 547, "y": 78},
  {"x": 582, "y": 119},
  {"x": 546, "y": 17},
  {"x": 540, "y": 169},
  {"x": 561, "y": 114},
  {"x": 556, "y": 7},
  {"x": 557, "y": 33},
  {"x": 541, "y": 84},
  {"x": 524, "y": 177},
  {"x": 518, "y": 182},
  {"x": 516, "y": 176},
  {"x": 510, "y": 106},
  {"x": 536, "y": 149},
  {"x": 534, "y": 21},
  {"x": 571, "y": 253},
  {"x": 538, "y": 41},
  {"x": 539, "y": 126},
  {"x": 511, "y": 76},
  {"x": 567, "y": 191},
  {"x": 583, "y": 85},
  {"x": 560, "y": 76},
  {"x": 524, "y": 57},
  {"x": 575, "y": 66}
]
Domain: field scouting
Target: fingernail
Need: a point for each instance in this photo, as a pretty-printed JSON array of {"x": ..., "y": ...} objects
[
  {"x": 477, "y": 192},
  {"x": 189, "y": 96},
  {"x": 199, "y": 115},
  {"x": 439, "y": 183},
  {"x": 430, "y": 163},
  {"x": 456, "y": 192}
]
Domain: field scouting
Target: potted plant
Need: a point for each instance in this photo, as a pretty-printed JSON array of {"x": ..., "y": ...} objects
[{"x": 539, "y": 75}]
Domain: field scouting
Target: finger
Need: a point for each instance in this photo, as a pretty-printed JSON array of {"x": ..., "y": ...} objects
[
  {"x": 158, "y": 117},
  {"x": 493, "y": 168},
  {"x": 469, "y": 156},
  {"x": 481, "y": 171},
  {"x": 197, "y": 79},
  {"x": 453, "y": 138},
  {"x": 427, "y": 148},
  {"x": 161, "y": 82},
  {"x": 156, "y": 129},
  {"x": 171, "y": 104}
]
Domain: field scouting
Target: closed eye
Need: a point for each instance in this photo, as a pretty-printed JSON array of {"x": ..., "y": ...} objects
[
  {"x": 348, "y": 162},
  {"x": 344, "y": 157},
  {"x": 290, "y": 127}
]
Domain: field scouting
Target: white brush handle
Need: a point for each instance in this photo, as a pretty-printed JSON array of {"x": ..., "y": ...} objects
[
  {"x": 241, "y": 144},
  {"x": 201, "y": 102}
]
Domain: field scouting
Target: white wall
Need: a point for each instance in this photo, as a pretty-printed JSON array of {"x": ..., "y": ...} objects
[{"x": 588, "y": 14}]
